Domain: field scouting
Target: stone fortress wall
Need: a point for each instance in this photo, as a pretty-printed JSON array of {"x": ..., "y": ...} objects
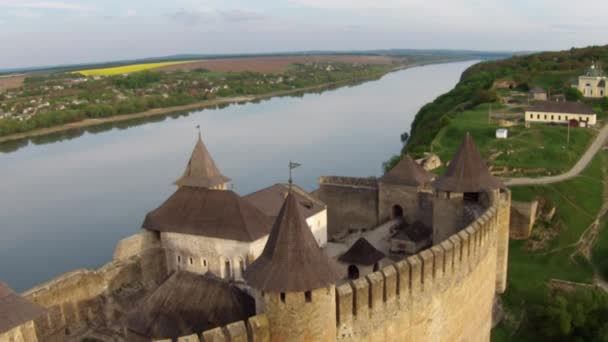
[
  {"x": 444, "y": 293},
  {"x": 352, "y": 203},
  {"x": 82, "y": 298}
]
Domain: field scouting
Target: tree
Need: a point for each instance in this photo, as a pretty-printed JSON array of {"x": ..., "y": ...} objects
[
  {"x": 571, "y": 316},
  {"x": 405, "y": 136},
  {"x": 573, "y": 94}
]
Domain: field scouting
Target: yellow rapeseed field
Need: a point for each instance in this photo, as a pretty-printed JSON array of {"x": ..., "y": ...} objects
[{"x": 126, "y": 69}]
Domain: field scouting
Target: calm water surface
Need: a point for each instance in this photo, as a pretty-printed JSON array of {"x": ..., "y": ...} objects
[{"x": 65, "y": 204}]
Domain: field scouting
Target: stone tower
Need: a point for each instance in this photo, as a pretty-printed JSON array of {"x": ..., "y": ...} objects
[
  {"x": 296, "y": 280},
  {"x": 201, "y": 170},
  {"x": 465, "y": 187},
  {"x": 400, "y": 191}
]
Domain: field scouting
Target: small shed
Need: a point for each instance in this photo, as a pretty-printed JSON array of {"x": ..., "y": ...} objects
[
  {"x": 410, "y": 239},
  {"x": 361, "y": 258},
  {"x": 502, "y": 133},
  {"x": 538, "y": 93}
]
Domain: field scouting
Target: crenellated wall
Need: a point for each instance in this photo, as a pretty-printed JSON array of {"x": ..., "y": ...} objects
[
  {"x": 444, "y": 293},
  {"x": 78, "y": 299}
]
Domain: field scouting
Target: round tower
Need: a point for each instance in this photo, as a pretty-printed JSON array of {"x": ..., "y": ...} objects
[
  {"x": 296, "y": 280},
  {"x": 461, "y": 191}
]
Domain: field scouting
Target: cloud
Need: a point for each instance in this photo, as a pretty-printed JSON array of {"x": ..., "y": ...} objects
[
  {"x": 190, "y": 17},
  {"x": 240, "y": 15},
  {"x": 130, "y": 13},
  {"x": 44, "y": 5}
]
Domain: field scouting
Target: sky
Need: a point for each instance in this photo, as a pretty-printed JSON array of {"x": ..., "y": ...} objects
[{"x": 52, "y": 32}]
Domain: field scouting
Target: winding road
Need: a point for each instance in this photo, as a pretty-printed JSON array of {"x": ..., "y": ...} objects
[{"x": 582, "y": 163}]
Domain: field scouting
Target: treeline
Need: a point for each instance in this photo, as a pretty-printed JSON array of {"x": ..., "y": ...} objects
[
  {"x": 475, "y": 87},
  {"x": 577, "y": 315},
  {"x": 92, "y": 111}
]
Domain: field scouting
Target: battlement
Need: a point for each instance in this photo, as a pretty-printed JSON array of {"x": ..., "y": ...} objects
[
  {"x": 370, "y": 182},
  {"x": 254, "y": 329},
  {"x": 402, "y": 300},
  {"x": 75, "y": 299}
]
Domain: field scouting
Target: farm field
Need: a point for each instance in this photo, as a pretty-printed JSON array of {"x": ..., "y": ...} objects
[
  {"x": 274, "y": 64},
  {"x": 127, "y": 69},
  {"x": 11, "y": 81}
]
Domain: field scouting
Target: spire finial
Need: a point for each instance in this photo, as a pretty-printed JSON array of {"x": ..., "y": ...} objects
[
  {"x": 292, "y": 166},
  {"x": 198, "y": 128}
]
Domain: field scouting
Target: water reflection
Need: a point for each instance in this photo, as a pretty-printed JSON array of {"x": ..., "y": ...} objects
[{"x": 65, "y": 202}]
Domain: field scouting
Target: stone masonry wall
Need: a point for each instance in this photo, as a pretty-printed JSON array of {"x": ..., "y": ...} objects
[
  {"x": 444, "y": 293},
  {"x": 523, "y": 216},
  {"x": 80, "y": 299},
  {"x": 352, "y": 203}
]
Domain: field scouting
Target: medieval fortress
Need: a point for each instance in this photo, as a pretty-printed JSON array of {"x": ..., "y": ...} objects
[{"x": 405, "y": 257}]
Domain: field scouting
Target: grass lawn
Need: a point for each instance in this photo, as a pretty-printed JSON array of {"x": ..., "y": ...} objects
[
  {"x": 577, "y": 201},
  {"x": 541, "y": 149},
  {"x": 126, "y": 69}
]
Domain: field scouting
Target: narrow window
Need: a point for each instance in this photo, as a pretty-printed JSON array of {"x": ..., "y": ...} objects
[
  {"x": 552, "y": 117},
  {"x": 283, "y": 297},
  {"x": 242, "y": 264},
  {"x": 191, "y": 262},
  {"x": 559, "y": 118},
  {"x": 179, "y": 259},
  {"x": 308, "y": 296},
  {"x": 205, "y": 262},
  {"x": 538, "y": 116}
]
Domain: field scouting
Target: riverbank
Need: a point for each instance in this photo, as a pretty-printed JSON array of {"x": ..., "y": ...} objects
[
  {"x": 194, "y": 106},
  {"x": 207, "y": 104}
]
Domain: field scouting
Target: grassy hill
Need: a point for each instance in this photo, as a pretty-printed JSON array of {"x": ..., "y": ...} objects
[
  {"x": 551, "y": 70},
  {"x": 536, "y": 309}
]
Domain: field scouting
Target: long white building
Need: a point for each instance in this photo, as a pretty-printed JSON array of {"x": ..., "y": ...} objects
[{"x": 573, "y": 113}]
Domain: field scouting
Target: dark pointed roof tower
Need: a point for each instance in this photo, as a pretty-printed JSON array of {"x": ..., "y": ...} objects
[
  {"x": 292, "y": 261},
  {"x": 467, "y": 171},
  {"x": 407, "y": 172},
  {"x": 201, "y": 170}
]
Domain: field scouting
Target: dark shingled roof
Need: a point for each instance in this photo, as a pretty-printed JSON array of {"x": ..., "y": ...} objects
[
  {"x": 188, "y": 303},
  {"x": 416, "y": 232},
  {"x": 16, "y": 310},
  {"x": 212, "y": 213},
  {"x": 362, "y": 253},
  {"x": 561, "y": 107},
  {"x": 269, "y": 200},
  {"x": 201, "y": 170},
  {"x": 407, "y": 172},
  {"x": 467, "y": 171},
  {"x": 292, "y": 261}
]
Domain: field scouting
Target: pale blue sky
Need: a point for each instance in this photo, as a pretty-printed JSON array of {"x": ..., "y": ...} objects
[{"x": 48, "y": 32}]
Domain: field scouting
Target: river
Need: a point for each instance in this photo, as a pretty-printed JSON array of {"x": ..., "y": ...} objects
[{"x": 65, "y": 203}]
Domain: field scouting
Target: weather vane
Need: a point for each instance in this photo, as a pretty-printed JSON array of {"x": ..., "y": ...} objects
[
  {"x": 292, "y": 166},
  {"x": 199, "y": 128}
]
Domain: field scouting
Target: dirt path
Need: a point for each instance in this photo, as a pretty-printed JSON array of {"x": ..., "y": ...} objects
[{"x": 582, "y": 163}]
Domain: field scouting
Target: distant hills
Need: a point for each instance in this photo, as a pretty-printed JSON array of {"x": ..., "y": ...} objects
[{"x": 453, "y": 54}]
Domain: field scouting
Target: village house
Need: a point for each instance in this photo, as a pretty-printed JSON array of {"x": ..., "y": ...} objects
[
  {"x": 593, "y": 83},
  {"x": 538, "y": 94},
  {"x": 573, "y": 113}
]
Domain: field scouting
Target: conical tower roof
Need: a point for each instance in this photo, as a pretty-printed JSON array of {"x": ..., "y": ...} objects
[
  {"x": 467, "y": 171},
  {"x": 201, "y": 170},
  {"x": 292, "y": 261},
  {"x": 407, "y": 172}
]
